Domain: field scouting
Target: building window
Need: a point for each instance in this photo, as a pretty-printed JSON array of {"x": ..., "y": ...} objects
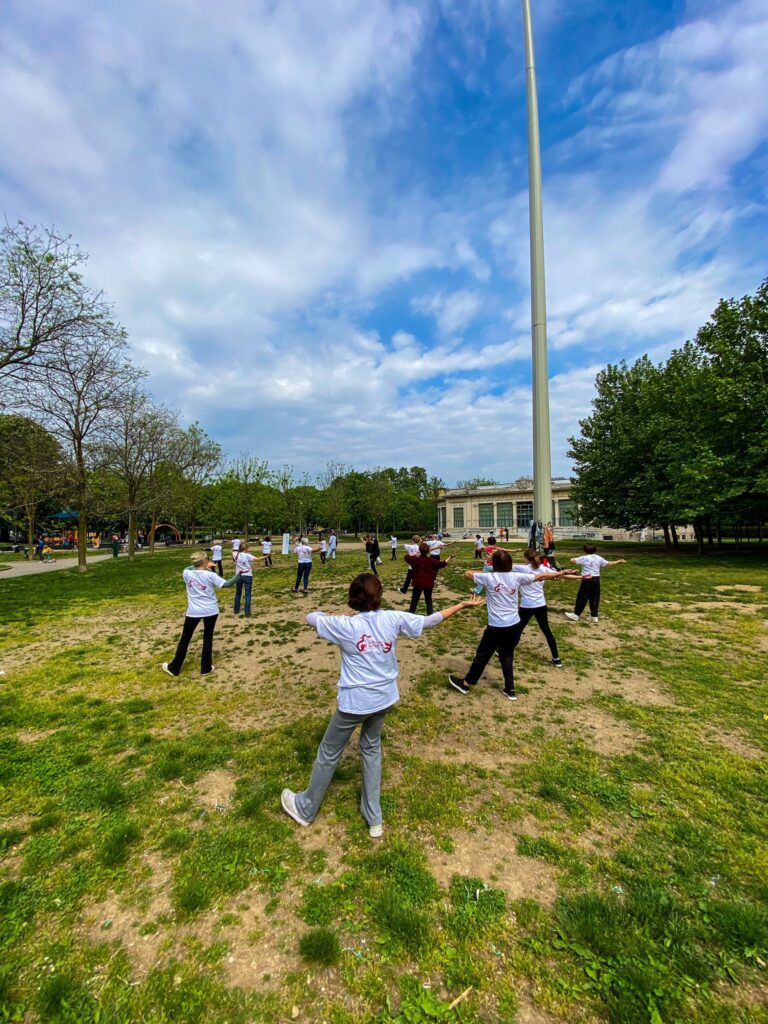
[
  {"x": 485, "y": 512},
  {"x": 568, "y": 515},
  {"x": 504, "y": 513},
  {"x": 458, "y": 518},
  {"x": 524, "y": 514}
]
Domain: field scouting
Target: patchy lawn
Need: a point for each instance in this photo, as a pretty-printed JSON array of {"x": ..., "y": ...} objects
[{"x": 596, "y": 851}]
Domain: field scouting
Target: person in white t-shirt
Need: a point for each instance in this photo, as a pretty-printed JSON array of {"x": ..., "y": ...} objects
[
  {"x": 323, "y": 550},
  {"x": 411, "y": 549},
  {"x": 367, "y": 691},
  {"x": 479, "y": 545},
  {"x": 235, "y": 548},
  {"x": 436, "y": 545},
  {"x": 202, "y": 606},
  {"x": 503, "y": 630},
  {"x": 589, "y": 591},
  {"x": 333, "y": 542},
  {"x": 244, "y": 570},
  {"x": 266, "y": 552},
  {"x": 303, "y": 552},
  {"x": 393, "y": 546},
  {"x": 216, "y": 556},
  {"x": 533, "y": 603}
]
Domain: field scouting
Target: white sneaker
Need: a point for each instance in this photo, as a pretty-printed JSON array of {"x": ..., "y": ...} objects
[
  {"x": 572, "y": 615},
  {"x": 593, "y": 618},
  {"x": 288, "y": 802},
  {"x": 376, "y": 831},
  {"x": 165, "y": 668}
]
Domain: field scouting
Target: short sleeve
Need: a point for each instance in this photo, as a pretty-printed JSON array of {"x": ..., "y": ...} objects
[
  {"x": 481, "y": 578},
  {"x": 520, "y": 568},
  {"x": 524, "y": 579},
  {"x": 216, "y": 580},
  {"x": 410, "y": 625},
  {"x": 601, "y": 561},
  {"x": 581, "y": 559},
  {"x": 328, "y": 628}
]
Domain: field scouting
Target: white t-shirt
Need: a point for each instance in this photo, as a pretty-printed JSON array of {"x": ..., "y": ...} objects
[
  {"x": 501, "y": 590},
  {"x": 411, "y": 549},
  {"x": 532, "y": 594},
  {"x": 590, "y": 565},
  {"x": 368, "y": 642},
  {"x": 333, "y": 541},
  {"x": 435, "y": 546},
  {"x": 244, "y": 563},
  {"x": 216, "y": 550},
  {"x": 479, "y": 544},
  {"x": 393, "y": 542},
  {"x": 323, "y": 546},
  {"x": 266, "y": 547},
  {"x": 235, "y": 546},
  {"x": 202, "y": 585},
  {"x": 304, "y": 551}
]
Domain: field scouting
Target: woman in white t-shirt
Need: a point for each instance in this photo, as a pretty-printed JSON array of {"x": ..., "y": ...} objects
[
  {"x": 533, "y": 603},
  {"x": 367, "y": 690},
  {"x": 235, "y": 548},
  {"x": 266, "y": 552},
  {"x": 202, "y": 606},
  {"x": 323, "y": 550},
  {"x": 589, "y": 591},
  {"x": 303, "y": 552},
  {"x": 503, "y": 630},
  {"x": 413, "y": 550},
  {"x": 216, "y": 557},
  {"x": 244, "y": 569}
]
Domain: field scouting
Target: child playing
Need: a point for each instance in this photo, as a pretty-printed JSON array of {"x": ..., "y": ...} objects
[
  {"x": 589, "y": 591},
  {"x": 503, "y": 631},
  {"x": 367, "y": 690}
]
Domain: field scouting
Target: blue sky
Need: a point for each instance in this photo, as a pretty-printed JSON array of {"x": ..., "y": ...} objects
[{"x": 312, "y": 218}]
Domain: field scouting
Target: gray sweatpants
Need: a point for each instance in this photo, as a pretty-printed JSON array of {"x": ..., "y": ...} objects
[{"x": 337, "y": 735}]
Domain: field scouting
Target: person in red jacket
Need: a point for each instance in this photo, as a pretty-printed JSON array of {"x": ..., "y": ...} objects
[{"x": 425, "y": 569}]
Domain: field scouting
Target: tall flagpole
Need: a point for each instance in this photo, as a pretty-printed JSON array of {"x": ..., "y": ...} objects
[{"x": 542, "y": 457}]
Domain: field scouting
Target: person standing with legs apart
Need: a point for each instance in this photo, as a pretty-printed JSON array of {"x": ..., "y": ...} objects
[
  {"x": 244, "y": 569},
  {"x": 266, "y": 552},
  {"x": 202, "y": 606},
  {"x": 410, "y": 549},
  {"x": 367, "y": 691},
  {"x": 478, "y": 546},
  {"x": 323, "y": 550},
  {"x": 533, "y": 603},
  {"x": 304, "y": 554},
  {"x": 503, "y": 631},
  {"x": 425, "y": 569},
  {"x": 589, "y": 591},
  {"x": 216, "y": 557}
]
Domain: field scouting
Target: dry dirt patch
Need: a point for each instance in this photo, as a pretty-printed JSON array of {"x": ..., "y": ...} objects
[
  {"x": 748, "y": 587},
  {"x": 736, "y": 742},
  {"x": 214, "y": 789},
  {"x": 492, "y": 857},
  {"x": 34, "y": 735}
]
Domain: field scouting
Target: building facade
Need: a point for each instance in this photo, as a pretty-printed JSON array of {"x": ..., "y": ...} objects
[{"x": 510, "y": 506}]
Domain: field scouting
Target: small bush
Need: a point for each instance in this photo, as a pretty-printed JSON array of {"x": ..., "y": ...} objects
[{"x": 320, "y": 946}]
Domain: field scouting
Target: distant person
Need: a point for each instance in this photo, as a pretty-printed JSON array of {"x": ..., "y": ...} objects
[
  {"x": 333, "y": 542},
  {"x": 367, "y": 691},
  {"x": 549, "y": 545},
  {"x": 410, "y": 549},
  {"x": 372, "y": 552},
  {"x": 202, "y": 606},
  {"x": 39, "y": 548},
  {"x": 266, "y": 552},
  {"x": 216, "y": 557},
  {"x": 589, "y": 590},
  {"x": 436, "y": 545},
  {"x": 235, "y": 548},
  {"x": 533, "y": 603},
  {"x": 479, "y": 545},
  {"x": 303, "y": 552},
  {"x": 425, "y": 569},
  {"x": 244, "y": 570},
  {"x": 393, "y": 547}
]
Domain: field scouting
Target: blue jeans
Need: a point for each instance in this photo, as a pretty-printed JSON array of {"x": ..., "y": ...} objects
[
  {"x": 247, "y": 582},
  {"x": 303, "y": 571}
]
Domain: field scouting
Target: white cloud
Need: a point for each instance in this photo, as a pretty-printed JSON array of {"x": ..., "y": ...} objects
[{"x": 452, "y": 312}]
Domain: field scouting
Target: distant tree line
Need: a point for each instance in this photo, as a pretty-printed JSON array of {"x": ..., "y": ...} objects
[
  {"x": 78, "y": 429},
  {"x": 684, "y": 441}
]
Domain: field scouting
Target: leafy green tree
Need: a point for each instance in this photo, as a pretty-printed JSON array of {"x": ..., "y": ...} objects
[{"x": 31, "y": 472}]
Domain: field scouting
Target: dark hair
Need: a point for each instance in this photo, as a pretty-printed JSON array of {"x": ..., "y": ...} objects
[
  {"x": 501, "y": 560},
  {"x": 424, "y": 548},
  {"x": 590, "y": 549},
  {"x": 531, "y": 555},
  {"x": 365, "y": 593}
]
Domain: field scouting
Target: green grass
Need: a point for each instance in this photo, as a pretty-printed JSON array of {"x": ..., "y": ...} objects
[{"x": 652, "y": 841}]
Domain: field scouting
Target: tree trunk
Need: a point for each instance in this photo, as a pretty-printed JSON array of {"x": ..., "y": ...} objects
[
  {"x": 699, "y": 534},
  {"x": 667, "y": 539},
  {"x": 30, "y": 512},
  {"x": 710, "y": 535},
  {"x": 131, "y": 535},
  {"x": 152, "y": 528},
  {"x": 82, "y": 539},
  {"x": 675, "y": 541},
  {"x": 719, "y": 529}
]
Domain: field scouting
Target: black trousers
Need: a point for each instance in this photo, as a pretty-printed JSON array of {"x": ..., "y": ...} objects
[
  {"x": 501, "y": 640},
  {"x": 408, "y": 578},
  {"x": 394, "y": 554},
  {"x": 589, "y": 591},
  {"x": 190, "y": 625},
  {"x": 542, "y": 620},
  {"x": 416, "y": 595},
  {"x": 219, "y": 569},
  {"x": 267, "y": 560},
  {"x": 478, "y": 553}
]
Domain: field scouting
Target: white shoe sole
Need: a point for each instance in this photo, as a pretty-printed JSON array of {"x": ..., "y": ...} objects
[
  {"x": 376, "y": 831},
  {"x": 289, "y": 807}
]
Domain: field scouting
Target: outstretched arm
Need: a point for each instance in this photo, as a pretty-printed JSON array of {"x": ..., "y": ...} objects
[
  {"x": 619, "y": 561},
  {"x": 570, "y": 573},
  {"x": 231, "y": 582},
  {"x": 437, "y": 617}
]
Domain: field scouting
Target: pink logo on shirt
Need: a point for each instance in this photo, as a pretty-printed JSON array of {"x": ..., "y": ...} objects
[
  {"x": 501, "y": 589},
  {"x": 367, "y": 643}
]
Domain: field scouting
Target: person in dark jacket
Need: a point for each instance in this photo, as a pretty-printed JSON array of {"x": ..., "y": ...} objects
[{"x": 425, "y": 569}]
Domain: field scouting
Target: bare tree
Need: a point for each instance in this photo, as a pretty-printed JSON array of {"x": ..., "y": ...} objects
[
  {"x": 135, "y": 440},
  {"x": 85, "y": 381},
  {"x": 43, "y": 300}
]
